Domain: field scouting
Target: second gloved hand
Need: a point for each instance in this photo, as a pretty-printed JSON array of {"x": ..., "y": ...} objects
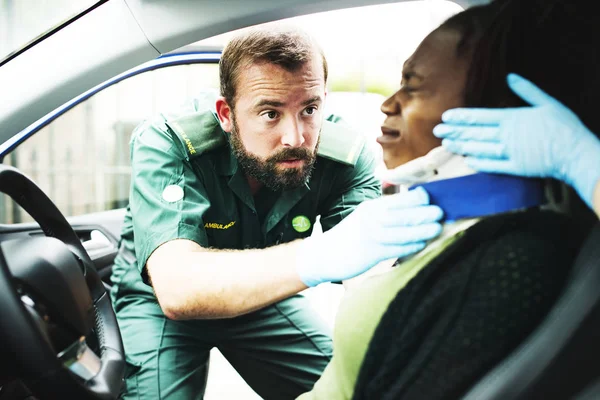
[
  {"x": 388, "y": 227},
  {"x": 545, "y": 140}
]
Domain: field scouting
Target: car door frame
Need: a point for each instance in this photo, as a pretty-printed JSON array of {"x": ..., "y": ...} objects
[{"x": 107, "y": 223}]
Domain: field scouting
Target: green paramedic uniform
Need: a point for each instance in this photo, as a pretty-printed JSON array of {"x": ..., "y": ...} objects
[{"x": 186, "y": 184}]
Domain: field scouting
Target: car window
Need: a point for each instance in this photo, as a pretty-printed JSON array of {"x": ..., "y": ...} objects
[
  {"x": 361, "y": 110},
  {"x": 365, "y": 47},
  {"x": 22, "y": 21},
  {"x": 81, "y": 159}
]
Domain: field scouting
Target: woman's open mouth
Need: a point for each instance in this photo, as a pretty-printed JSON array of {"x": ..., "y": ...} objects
[{"x": 389, "y": 136}]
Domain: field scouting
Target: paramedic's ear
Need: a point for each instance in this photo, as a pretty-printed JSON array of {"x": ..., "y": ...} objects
[{"x": 224, "y": 112}]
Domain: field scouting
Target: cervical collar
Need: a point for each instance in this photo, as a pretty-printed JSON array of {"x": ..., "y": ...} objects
[
  {"x": 436, "y": 165},
  {"x": 461, "y": 192}
]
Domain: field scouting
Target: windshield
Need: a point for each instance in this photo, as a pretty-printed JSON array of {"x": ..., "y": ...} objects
[{"x": 23, "y": 21}]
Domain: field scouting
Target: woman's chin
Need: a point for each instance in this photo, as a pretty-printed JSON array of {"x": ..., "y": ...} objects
[{"x": 398, "y": 157}]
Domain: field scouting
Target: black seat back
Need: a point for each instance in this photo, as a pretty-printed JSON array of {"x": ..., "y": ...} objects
[{"x": 562, "y": 356}]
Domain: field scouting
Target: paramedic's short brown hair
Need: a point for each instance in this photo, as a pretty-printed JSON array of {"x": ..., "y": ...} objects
[{"x": 287, "y": 48}]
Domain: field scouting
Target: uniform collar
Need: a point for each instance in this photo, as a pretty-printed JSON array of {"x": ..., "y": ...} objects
[{"x": 228, "y": 165}]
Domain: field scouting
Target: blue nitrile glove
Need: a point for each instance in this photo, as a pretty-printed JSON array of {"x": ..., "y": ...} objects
[
  {"x": 387, "y": 227},
  {"x": 544, "y": 140}
]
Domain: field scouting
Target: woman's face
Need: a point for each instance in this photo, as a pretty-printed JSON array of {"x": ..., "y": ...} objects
[{"x": 433, "y": 80}]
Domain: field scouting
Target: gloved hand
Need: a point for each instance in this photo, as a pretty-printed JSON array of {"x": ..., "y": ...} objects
[
  {"x": 387, "y": 227},
  {"x": 545, "y": 140}
]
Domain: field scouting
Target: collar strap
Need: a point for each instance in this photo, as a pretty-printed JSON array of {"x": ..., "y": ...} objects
[{"x": 483, "y": 194}]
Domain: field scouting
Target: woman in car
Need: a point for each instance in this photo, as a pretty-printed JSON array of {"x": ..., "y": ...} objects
[{"x": 431, "y": 327}]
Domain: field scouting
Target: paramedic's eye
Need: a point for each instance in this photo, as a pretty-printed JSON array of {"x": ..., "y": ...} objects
[
  {"x": 270, "y": 115},
  {"x": 310, "y": 110}
]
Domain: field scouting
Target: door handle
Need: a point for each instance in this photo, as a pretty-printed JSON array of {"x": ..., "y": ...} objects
[{"x": 98, "y": 245}]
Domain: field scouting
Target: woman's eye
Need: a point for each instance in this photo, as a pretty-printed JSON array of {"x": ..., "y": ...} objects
[
  {"x": 407, "y": 89},
  {"x": 407, "y": 84}
]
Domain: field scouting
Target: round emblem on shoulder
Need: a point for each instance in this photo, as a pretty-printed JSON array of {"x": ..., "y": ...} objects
[
  {"x": 172, "y": 193},
  {"x": 301, "y": 223}
]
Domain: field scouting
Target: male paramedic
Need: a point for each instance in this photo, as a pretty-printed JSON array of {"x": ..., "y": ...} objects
[{"x": 224, "y": 194}]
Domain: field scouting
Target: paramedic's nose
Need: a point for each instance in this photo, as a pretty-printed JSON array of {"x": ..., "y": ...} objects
[{"x": 293, "y": 133}]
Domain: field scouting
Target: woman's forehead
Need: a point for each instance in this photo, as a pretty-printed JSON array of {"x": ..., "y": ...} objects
[{"x": 436, "y": 53}]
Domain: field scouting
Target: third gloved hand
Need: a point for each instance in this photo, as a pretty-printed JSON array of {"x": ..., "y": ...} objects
[
  {"x": 388, "y": 227},
  {"x": 544, "y": 140}
]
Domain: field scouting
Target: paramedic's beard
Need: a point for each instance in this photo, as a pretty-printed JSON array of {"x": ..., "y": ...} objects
[{"x": 268, "y": 172}]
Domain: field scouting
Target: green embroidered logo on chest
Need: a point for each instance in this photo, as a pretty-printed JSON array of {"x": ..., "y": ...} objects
[{"x": 301, "y": 224}]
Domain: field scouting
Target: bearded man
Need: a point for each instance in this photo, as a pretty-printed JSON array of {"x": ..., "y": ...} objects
[{"x": 223, "y": 195}]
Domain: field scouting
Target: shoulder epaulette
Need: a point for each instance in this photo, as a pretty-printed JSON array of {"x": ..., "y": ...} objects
[
  {"x": 339, "y": 142},
  {"x": 198, "y": 132}
]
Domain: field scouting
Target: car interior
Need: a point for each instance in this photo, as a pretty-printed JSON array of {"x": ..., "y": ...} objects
[{"x": 59, "y": 337}]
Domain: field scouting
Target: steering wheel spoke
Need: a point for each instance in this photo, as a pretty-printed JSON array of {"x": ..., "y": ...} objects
[{"x": 81, "y": 360}]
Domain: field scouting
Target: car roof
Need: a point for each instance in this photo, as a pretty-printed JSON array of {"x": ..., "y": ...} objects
[{"x": 121, "y": 34}]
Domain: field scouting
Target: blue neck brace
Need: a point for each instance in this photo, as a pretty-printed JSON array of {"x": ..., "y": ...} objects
[{"x": 483, "y": 194}]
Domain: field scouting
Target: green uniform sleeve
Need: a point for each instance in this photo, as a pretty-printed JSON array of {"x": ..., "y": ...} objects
[
  {"x": 352, "y": 186},
  {"x": 167, "y": 197}
]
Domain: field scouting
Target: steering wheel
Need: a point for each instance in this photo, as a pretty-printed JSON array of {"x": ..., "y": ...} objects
[{"x": 58, "y": 329}]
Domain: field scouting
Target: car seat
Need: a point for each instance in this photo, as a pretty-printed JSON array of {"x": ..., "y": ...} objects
[{"x": 561, "y": 358}]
